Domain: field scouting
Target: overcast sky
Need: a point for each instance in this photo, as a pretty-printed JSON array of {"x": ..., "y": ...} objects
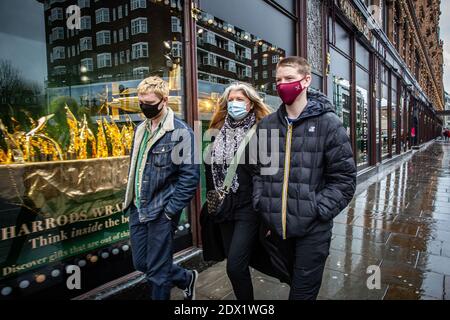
[
  {"x": 22, "y": 37},
  {"x": 445, "y": 35}
]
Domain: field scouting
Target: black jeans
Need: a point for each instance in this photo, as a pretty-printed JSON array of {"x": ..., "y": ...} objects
[
  {"x": 239, "y": 238},
  {"x": 311, "y": 254}
]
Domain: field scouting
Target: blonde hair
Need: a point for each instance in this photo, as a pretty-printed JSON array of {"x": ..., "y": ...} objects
[
  {"x": 154, "y": 85},
  {"x": 301, "y": 64},
  {"x": 259, "y": 107}
]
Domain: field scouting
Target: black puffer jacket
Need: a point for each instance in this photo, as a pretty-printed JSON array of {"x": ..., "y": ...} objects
[{"x": 318, "y": 179}]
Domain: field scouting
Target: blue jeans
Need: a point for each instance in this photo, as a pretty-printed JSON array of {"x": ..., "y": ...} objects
[{"x": 152, "y": 249}]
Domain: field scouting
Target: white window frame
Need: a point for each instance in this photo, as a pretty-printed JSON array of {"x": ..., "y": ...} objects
[
  {"x": 275, "y": 58},
  {"x": 85, "y": 23},
  {"x": 176, "y": 24},
  {"x": 264, "y": 61},
  {"x": 57, "y": 32},
  {"x": 56, "y": 14},
  {"x": 102, "y": 15},
  {"x": 59, "y": 53},
  {"x": 139, "y": 25},
  {"x": 177, "y": 49},
  {"x": 119, "y": 12},
  {"x": 137, "y": 4},
  {"x": 139, "y": 50},
  {"x": 140, "y": 71},
  {"x": 84, "y": 4},
  {"x": 85, "y": 44},
  {"x": 103, "y": 38},
  {"x": 120, "y": 35},
  {"x": 265, "y": 74},
  {"x": 104, "y": 60},
  {"x": 88, "y": 63},
  {"x": 59, "y": 70}
]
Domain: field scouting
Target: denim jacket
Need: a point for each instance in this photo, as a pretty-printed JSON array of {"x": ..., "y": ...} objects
[{"x": 170, "y": 176}]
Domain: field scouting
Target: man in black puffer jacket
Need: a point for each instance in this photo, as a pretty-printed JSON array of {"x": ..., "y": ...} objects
[{"x": 311, "y": 176}]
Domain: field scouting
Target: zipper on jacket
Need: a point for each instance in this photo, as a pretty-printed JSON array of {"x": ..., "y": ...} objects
[{"x": 287, "y": 167}]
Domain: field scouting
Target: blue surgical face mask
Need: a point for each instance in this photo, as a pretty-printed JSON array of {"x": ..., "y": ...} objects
[{"x": 237, "y": 109}]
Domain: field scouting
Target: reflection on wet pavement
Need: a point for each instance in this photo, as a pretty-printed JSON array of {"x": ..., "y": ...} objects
[{"x": 400, "y": 223}]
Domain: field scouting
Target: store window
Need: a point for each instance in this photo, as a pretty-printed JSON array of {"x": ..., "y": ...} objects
[
  {"x": 233, "y": 45},
  {"x": 394, "y": 97},
  {"x": 339, "y": 87},
  {"x": 384, "y": 121},
  {"x": 68, "y": 109},
  {"x": 362, "y": 105}
]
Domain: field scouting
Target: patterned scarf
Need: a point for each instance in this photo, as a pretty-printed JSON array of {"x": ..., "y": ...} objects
[{"x": 225, "y": 146}]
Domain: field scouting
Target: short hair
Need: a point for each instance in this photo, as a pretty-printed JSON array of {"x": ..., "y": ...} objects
[
  {"x": 154, "y": 85},
  {"x": 301, "y": 64}
]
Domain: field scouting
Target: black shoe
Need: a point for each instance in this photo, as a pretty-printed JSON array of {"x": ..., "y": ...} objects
[{"x": 189, "y": 292}]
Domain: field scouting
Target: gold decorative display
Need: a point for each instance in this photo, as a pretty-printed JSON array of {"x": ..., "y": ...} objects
[{"x": 37, "y": 145}]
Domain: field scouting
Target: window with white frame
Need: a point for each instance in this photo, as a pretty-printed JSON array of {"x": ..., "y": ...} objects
[
  {"x": 116, "y": 59},
  {"x": 136, "y": 4},
  {"x": 104, "y": 60},
  {"x": 119, "y": 12},
  {"x": 56, "y": 14},
  {"x": 231, "y": 47},
  {"x": 141, "y": 71},
  {"x": 122, "y": 57},
  {"x": 265, "y": 74},
  {"x": 120, "y": 35},
  {"x": 139, "y": 50},
  {"x": 84, "y": 3},
  {"x": 85, "y": 44},
  {"x": 264, "y": 61},
  {"x": 59, "y": 70},
  {"x": 59, "y": 53},
  {"x": 176, "y": 25},
  {"x": 138, "y": 25},
  {"x": 248, "y": 53},
  {"x": 255, "y": 49},
  {"x": 101, "y": 15},
  {"x": 103, "y": 37},
  {"x": 128, "y": 55},
  {"x": 126, "y": 10},
  {"x": 58, "y": 33},
  {"x": 255, "y": 63},
  {"x": 85, "y": 23},
  {"x": 256, "y": 76},
  {"x": 88, "y": 63},
  {"x": 176, "y": 49},
  {"x": 232, "y": 66},
  {"x": 127, "y": 33},
  {"x": 275, "y": 58}
]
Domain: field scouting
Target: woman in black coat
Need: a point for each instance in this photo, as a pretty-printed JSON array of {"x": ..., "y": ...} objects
[{"x": 233, "y": 232}]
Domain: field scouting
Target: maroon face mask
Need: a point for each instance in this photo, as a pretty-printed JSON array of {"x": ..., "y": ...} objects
[{"x": 288, "y": 92}]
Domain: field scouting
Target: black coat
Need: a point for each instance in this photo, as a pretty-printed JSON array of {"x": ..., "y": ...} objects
[
  {"x": 317, "y": 181},
  {"x": 271, "y": 255}
]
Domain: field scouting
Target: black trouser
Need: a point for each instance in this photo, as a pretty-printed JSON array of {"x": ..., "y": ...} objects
[
  {"x": 311, "y": 253},
  {"x": 239, "y": 238}
]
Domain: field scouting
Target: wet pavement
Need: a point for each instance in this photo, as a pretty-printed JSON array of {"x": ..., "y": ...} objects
[{"x": 399, "y": 221}]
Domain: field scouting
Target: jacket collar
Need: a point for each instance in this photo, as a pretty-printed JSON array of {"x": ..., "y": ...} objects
[
  {"x": 168, "y": 121},
  {"x": 317, "y": 104}
]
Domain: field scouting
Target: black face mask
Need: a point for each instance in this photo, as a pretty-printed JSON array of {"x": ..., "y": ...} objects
[{"x": 150, "y": 110}]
